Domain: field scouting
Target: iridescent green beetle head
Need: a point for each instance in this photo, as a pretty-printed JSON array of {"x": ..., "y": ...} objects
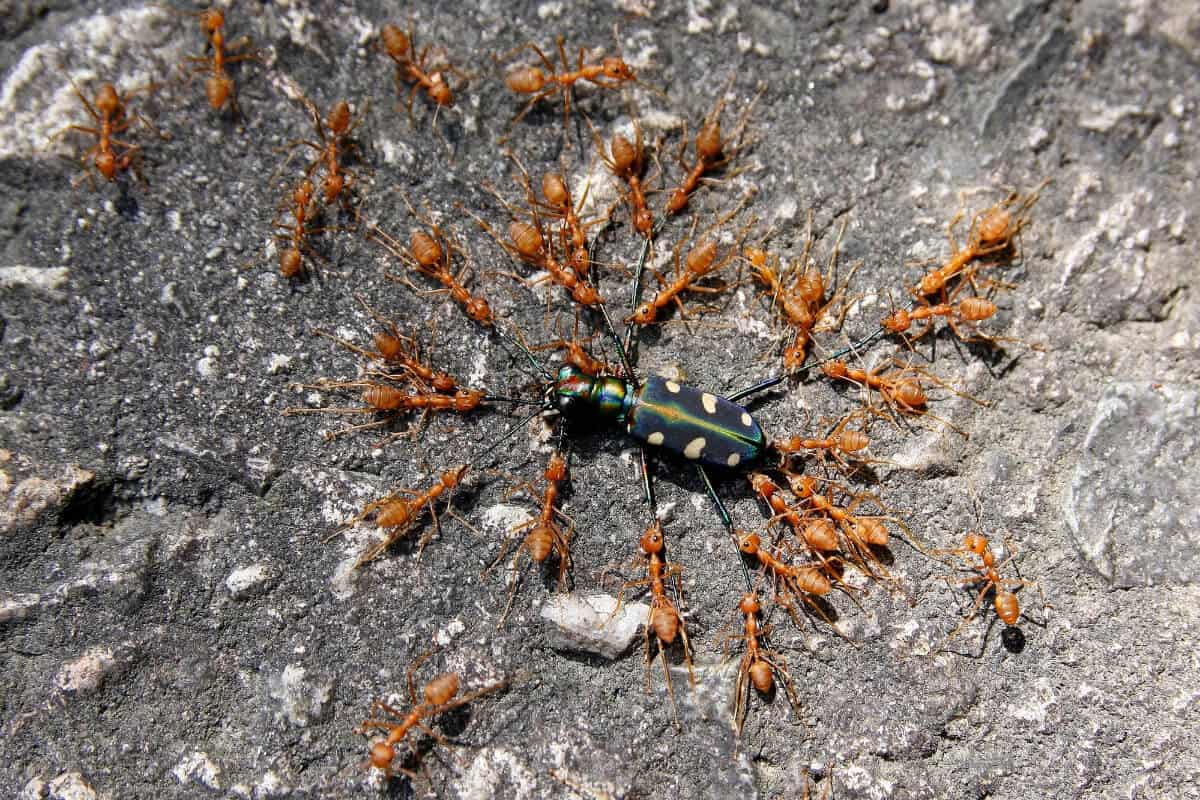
[
  {"x": 571, "y": 391},
  {"x": 593, "y": 399}
]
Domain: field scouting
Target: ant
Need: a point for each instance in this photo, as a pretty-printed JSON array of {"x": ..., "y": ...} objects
[
  {"x": 610, "y": 73},
  {"x": 900, "y": 388},
  {"x": 528, "y": 242},
  {"x": 818, "y": 534},
  {"x": 712, "y": 152},
  {"x": 395, "y": 349},
  {"x": 291, "y": 260},
  {"x": 861, "y": 532},
  {"x": 558, "y": 204},
  {"x": 838, "y": 444},
  {"x": 439, "y": 696},
  {"x": 664, "y": 619},
  {"x": 334, "y": 140},
  {"x": 700, "y": 262},
  {"x": 805, "y": 581},
  {"x": 798, "y": 293},
  {"x": 399, "y": 511},
  {"x": 992, "y": 233},
  {"x": 219, "y": 86},
  {"x": 1004, "y": 600},
  {"x": 545, "y": 536},
  {"x": 411, "y": 69},
  {"x": 627, "y": 161},
  {"x": 429, "y": 254},
  {"x": 759, "y": 666},
  {"x": 110, "y": 117}
]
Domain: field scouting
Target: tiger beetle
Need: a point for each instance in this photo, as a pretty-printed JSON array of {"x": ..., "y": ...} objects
[{"x": 699, "y": 426}]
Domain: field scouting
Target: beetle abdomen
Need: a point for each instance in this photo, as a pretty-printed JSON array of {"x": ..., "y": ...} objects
[{"x": 695, "y": 424}]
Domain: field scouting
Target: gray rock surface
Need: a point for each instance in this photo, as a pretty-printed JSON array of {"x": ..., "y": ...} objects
[{"x": 179, "y": 616}]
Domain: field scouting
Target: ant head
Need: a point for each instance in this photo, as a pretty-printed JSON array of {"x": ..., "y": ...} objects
[
  {"x": 332, "y": 186},
  {"x": 652, "y": 540},
  {"x": 976, "y": 542},
  {"x": 212, "y": 20},
  {"x": 616, "y": 69},
  {"x": 107, "y": 101},
  {"x": 479, "y": 310},
  {"x": 750, "y": 543},
  {"x": 440, "y": 92},
  {"x": 106, "y": 164},
  {"x": 381, "y": 756},
  {"x": 835, "y": 369},
  {"x": 644, "y": 315},
  {"x": 749, "y": 603},
  {"x": 388, "y": 346},
  {"x": 556, "y": 470}
]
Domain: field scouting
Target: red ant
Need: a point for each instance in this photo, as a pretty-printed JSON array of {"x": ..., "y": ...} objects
[
  {"x": 528, "y": 242},
  {"x": 861, "y": 532},
  {"x": 397, "y": 350},
  {"x": 712, "y": 152},
  {"x": 109, "y": 115},
  {"x": 386, "y": 398},
  {"x": 545, "y": 536},
  {"x": 429, "y": 254},
  {"x": 805, "y": 582},
  {"x": 992, "y": 233},
  {"x": 295, "y": 234},
  {"x": 700, "y": 262},
  {"x": 627, "y": 161},
  {"x": 1004, "y": 601},
  {"x": 798, "y": 293},
  {"x": 818, "y": 534},
  {"x": 610, "y": 73},
  {"x": 334, "y": 140},
  {"x": 399, "y": 511},
  {"x": 759, "y": 666},
  {"x": 664, "y": 620},
  {"x": 900, "y": 388},
  {"x": 411, "y": 69},
  {"x": 838, "y": 444},
  {"x": 438, "y": 697},
  {"x": 219, "y": 87}
]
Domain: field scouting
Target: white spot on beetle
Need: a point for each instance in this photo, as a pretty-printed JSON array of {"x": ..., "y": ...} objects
[
  {"x": 747, "y": 420},
  {"x": 655, "y": 438},
  {"x": 709, "y": 402},
  {"x": 672, "y": 386},
  {"x": 694, "y": 448},
  {"x": 733, "y": 460}
]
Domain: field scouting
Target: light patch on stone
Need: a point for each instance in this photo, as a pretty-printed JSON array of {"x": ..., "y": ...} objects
[
  {"x": 197, "y": 767},
  {"x": 593, "y": 624},
  {"x": 695, "y": 448}
]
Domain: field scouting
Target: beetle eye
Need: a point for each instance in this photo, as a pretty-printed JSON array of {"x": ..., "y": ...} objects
[{"x": 568, "y": 404}]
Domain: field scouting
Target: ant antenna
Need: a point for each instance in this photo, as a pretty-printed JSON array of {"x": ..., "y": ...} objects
[{"x": 506, "y": 436}]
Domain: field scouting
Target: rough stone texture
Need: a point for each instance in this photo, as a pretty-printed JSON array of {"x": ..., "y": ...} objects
[
  {"x": 1124, "y": 504},
  {"x": 179, "y": 616}
]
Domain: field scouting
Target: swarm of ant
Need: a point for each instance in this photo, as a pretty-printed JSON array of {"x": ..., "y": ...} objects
[{"x": 822, "y": 535}]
